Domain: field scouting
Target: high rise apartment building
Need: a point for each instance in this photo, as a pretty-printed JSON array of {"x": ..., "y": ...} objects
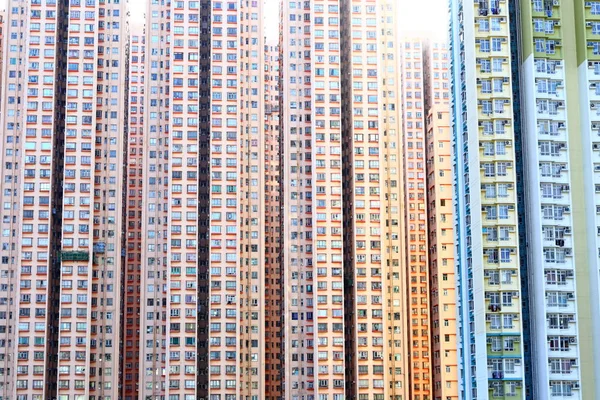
[
  {"x": 559, "y": 59},
  {"x": 273, "y": 226},
  {"x": 155, "y": 213},
  {"x": 382, "y": 287},
  {"x": 312, "y": 255},
  {"x": 490, "y": 342},
  {"x": 63, "y": 121},
  {"x": 132, "y": 274},
  {"x": 524, "y": 127},
  {"x": 189, "y": 212},
  {"x": 415, "y": 215},
  {"x": 210, "y": 319},
  {"x": 440, "y": 223},
  {"x": 302, "y": 284},
  {"x": 375, "y": 309}
]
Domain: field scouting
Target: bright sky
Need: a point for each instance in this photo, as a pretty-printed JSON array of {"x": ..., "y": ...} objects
[
  {"x": 418, "y": 16},
  {"x": 427, "y": 17}
]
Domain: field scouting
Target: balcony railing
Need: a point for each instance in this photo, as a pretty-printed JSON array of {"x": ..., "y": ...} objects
[{"x": 75, "y": 256}]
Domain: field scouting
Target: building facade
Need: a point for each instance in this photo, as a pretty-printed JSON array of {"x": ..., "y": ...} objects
[
  {"x": 210, "y": 316},
  {"x": 2, "y": 22},
  {"x": 528, "y": 72},
  {"x": 376, "y": 317},
  {"x": 132, "y": 274},
  {"x": 273, "y": 226},
  {"x": 559, "y": 53},
  {"x": 64, "y": 125},
  {"x": 490, "y": 331},
  {"x": 414, "y": 180},
  {"x": 436, "y": 62}
]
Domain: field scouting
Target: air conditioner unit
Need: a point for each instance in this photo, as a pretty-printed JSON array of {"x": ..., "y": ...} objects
[{"x": 572, "y": 340}]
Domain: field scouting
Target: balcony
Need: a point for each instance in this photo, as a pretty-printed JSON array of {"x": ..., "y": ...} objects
[
  {"x": 75, "y": 256},
  {"x": 99, "y": 248}
]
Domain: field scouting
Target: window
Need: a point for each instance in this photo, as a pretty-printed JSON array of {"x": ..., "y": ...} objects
[
  {"x": 484, "y": 45},
  {"x": 496, "y": 44},
  {"x": 484, "y": 25}
]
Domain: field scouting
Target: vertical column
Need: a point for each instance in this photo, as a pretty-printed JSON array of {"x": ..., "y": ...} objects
[
  {"x": 252, "y": 218},
  {"x": 226, "y": 291},
  {"x": 156, "y": 206},
  {"x": 415, "y": 217},
  {"x": 183, "y": 199},
  {"x": 272, "y": 239},
  {"x": 373, "y": 296},
  {"x": 396, "y": 343},
  {"x": 584, "y": 118},
  {"x": 132, "y": 274},
  {"x": 298, "y": 279},
  {"x": 551, "y": 263},
  {"x": 32, "y": 120},
  {"x": 324, "y": 152},
  {"x": 439, "y": 216},
  {"x": 486, "y": 205},
  {"x": 203, "y": 221}
]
